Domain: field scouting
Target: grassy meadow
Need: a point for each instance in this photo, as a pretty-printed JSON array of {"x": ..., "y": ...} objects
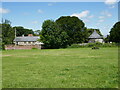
[{"x": 60, "y": 68}]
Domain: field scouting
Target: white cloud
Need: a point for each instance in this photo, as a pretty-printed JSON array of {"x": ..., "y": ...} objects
[
  {"x": 101, "y": 17},
  {"x": 104, "y": 16},
  {"x": 98, "y": 24},
  {"x": 110, "y": 2},
  {"x": 109, "y": 15},
  {"x": 4, "y": 11},
  {"x": 40, "y": 11},
  {"x": 91, "y": 16},
  {"x": 106, "y": 13},
  {"x": 35, "y": 22},
  {"x": 86, "y": 20},
  {"x": 112, "y": 6},
  {"x": 101, "y": 20},
  {"x": 51, "y": 4},
  {"x": 82, "y": 14}
]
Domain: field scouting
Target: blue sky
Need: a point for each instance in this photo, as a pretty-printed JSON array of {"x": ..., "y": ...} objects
[{"x": 100, "y": 15}]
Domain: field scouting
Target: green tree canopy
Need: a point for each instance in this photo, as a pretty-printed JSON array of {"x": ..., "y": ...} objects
[
  {"x": 8, "y": 34},
  {"x": 115, "y": 33},
  {"x": 91, "y": 30},
  {"x": 107, "y": 39},
  {"x": 37, "y": 32},
  {"x": 23, "y": 31},
  {"x": 52, "y": 36},
  {"x": 74, "y": 27},
  {"x": 0, "y": 36}
]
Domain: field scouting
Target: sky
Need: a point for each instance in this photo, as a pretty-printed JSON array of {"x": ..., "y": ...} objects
[{"x": 31, "y": 15}]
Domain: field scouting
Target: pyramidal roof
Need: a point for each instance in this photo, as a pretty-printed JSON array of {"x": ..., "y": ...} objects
[{"x": 95, "y": 35}]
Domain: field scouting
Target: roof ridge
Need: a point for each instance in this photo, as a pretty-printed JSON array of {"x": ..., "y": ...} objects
[{"x": 95, "y": 35}]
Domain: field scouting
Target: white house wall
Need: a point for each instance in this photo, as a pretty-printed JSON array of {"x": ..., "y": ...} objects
[
  {"x": 99, "y": 40},
  {"x": 96, "y": 40},
  {"x": 26, "y": 43}
]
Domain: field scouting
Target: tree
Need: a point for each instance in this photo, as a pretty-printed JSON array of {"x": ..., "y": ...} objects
[
  {"x": 37, "y": 32},
  {"x": 5, "y": 21},
  {"x": 91, "y": 30},
  {"x": 0, "y": 36},
  {"x": 107, "y": 39},
  {"x": 23, "y": 31},
  {"x": 115, "y": 33},
  {"x": 52, "y": 36},
  {"x": 74, "y": 27},
  {"x": 8, "y": 33}
]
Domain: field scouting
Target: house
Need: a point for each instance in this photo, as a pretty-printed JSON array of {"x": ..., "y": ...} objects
[
  {"x": 95, "y": 37},
  {"x": 25, "y": 42}
]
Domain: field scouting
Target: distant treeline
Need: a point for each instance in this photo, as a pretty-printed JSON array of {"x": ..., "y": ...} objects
[
  {"x": 7, "y": 32},
  {"x": 61, "y": 33}
]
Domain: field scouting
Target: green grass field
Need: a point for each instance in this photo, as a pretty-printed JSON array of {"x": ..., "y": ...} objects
[{"x": 60, "y": 68}]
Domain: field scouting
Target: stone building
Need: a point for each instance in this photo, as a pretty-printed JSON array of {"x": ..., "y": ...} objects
[
  {"x": 25, "y": 42},
  {"x": 95, "y": 37}
]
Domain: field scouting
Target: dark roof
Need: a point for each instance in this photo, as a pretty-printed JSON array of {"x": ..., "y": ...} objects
[
  {"x": 95, "y": 35},
  {"x": 26, "y": 38}
]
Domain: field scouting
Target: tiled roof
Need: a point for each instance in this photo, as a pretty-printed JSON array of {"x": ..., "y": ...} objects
[
  {"x": 27, "y": 38},
  {"x": 95, "y": 35}
]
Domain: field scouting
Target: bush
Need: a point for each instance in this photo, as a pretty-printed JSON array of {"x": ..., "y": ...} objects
[
  {"x": 97, "y": 44},
  {"x": 91, "y": 45},
  {"x": 74, "y": 46},
  {"x": 109, "y": 45},
  {"x": 2, "y": 46},
  {"x": 34, "y": 48}
]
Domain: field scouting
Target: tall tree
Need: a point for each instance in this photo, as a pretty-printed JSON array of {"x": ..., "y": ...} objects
[
  {"x": 0, "y": 36},
  {"x": 115, "y": 33},
  {"x": 107, "y": 39},
  {"x": 52, "y": 36},
  {"x": 74, "y": 27},
  {"x": 5, "y": 21},
  {"x": 8, "y": 33}
]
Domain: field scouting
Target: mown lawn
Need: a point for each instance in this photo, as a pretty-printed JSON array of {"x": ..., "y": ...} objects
[{"x": 60, "y": 68}]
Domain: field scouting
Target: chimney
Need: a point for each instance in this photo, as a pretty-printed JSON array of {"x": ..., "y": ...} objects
[{"x": 30, "y": 35}]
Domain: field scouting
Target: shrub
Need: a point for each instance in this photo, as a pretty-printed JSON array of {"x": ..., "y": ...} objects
[
  {"x": 97, "y": 44},
  {"x": 34, "y": 48},
  {"x": 74, "y": 46},
  {"x": 2, "y": 46},
  {"x": 91, "y": 45},
  {"x": 109, "y": 45}
]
